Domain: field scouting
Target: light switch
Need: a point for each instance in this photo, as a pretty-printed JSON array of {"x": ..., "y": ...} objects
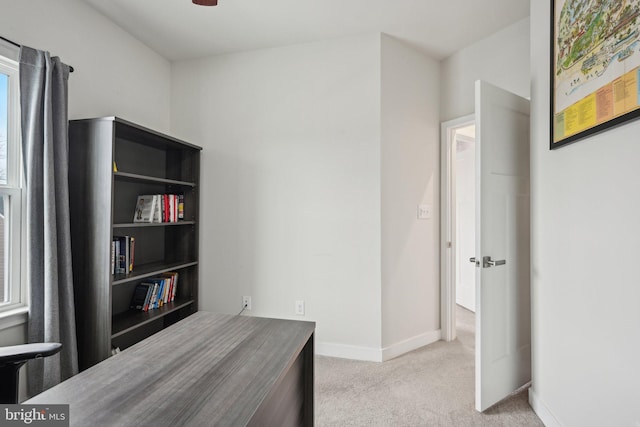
[{"x": 424, "y": 211}]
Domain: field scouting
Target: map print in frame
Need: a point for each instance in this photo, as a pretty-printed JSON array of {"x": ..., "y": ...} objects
[{"x": 595, "y": 66}]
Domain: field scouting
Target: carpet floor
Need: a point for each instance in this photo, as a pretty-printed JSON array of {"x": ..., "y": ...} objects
[{"x": 431, "y": 386}]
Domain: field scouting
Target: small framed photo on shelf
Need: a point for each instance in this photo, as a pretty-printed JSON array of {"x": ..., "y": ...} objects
[{"x": 595, "y": 62}]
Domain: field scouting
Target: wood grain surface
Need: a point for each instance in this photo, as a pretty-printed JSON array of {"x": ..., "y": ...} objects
[{"x": 207, "y": 370}]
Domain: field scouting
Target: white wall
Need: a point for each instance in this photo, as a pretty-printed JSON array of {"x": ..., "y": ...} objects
[
  {"x": 410, "y": 177},
  {"x": 501, "y": 59},
  {"x": 114, "y": 73},
  {"x": 585, "y": 228},
  {"x": 290, "y": 195}
]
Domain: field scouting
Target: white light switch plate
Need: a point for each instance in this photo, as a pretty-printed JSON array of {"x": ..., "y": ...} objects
[{"x": 424, "y": 211}]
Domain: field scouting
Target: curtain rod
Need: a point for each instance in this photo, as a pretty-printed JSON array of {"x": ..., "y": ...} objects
[{"x": 19, "y": 45}]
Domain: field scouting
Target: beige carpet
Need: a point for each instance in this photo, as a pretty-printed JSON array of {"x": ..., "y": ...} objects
[{"x": 431, "y": 386}]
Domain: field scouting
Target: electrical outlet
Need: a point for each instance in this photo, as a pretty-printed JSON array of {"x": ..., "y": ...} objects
[
  {"x": 246, "y": 303},
  {"x": 300, "y": 308}
]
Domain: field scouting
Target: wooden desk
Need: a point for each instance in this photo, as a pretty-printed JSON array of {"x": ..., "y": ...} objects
[{"x": 208, "y": 369}]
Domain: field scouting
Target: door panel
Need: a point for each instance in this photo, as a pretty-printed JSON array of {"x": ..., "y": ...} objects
[{"x": 503, "y": 320}]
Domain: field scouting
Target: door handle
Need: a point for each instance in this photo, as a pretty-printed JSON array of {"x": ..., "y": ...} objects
[{"x": 487, "y": 262}]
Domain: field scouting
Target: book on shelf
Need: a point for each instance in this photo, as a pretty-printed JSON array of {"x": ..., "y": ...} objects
[
  {"x": 180, "y": 206},
  {"x": 160, "y": 208},
  {"x": 145, "y": 207},
  {"x": 115, "y": 247},
  {"x": 155, "y": 292},
  {"x": 165, "y": 202},
  {"x": 132, "y": 246},
  {"x": 140, "y": 296},
  {"x": 122, "y": 254},
  {"x": 171, "y": 208},
  {"x": 172, "y": 278},
  {"x": 152, "y": 297},
  {"x": 170, "y": 202},
  {"x": 156, "y": 301},
  {"x": 117, "y": 255},
  {"x": 157, "y": 214},
  {"x": 113, "y": 256}
]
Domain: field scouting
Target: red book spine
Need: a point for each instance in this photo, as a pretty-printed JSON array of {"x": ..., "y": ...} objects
[{"x": 165, "y": 199}]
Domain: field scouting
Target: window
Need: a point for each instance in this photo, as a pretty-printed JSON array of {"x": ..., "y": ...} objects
[{"x": 12, "y": 291}]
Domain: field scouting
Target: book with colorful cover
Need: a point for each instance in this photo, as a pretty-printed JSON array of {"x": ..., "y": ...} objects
[
  {"x": 153, "y": 297},
  {"x": 180, "y": 206},
  {"x": 172, "y": 278},
  {"x": 158, "y": 292}
]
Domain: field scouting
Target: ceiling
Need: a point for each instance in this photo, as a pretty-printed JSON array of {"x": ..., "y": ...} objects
[{"x": 178, "y": 29}]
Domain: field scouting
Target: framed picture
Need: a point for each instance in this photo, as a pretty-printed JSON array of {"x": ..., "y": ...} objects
[{"x": 594, "y": 66}]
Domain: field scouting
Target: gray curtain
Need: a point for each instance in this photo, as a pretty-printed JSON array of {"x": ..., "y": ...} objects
[{"x": 45, "y": 145}]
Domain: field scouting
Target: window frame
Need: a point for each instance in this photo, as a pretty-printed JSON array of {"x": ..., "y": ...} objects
[{"x": 14, "y": 189}]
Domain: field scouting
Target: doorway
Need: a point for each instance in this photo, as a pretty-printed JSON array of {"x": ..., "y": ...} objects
[
  {"x": 465, "y": 219},
  {"x": 458, "y": 221},
  {"x": 502, "y": 252}
]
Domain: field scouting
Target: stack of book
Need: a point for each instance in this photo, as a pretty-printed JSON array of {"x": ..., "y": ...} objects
[
  {"x": 159, "y": 208},
  {"x": 122, "y": 254},
  {"x": 155, "y": 292}
]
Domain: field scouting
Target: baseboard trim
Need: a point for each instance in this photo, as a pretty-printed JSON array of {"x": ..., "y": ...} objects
[
  {"x": 369, "y": 354},
  {"x": 398, "y": 349},
  {"x": 344, "y": 351},
  {"x": 542, "y": 411}
]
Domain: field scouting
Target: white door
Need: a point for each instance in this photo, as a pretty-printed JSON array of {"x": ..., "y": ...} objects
[{"x": 503, "y": 317}]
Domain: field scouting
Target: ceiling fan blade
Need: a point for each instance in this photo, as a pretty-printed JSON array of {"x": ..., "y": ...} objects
[{"x": 206, "y": 2}]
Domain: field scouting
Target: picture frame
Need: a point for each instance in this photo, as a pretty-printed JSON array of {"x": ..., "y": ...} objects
[{"x": 595, "y": 67}]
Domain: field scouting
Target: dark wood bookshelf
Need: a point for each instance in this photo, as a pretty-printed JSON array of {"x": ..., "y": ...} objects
[{"x": 102, "y": 205}]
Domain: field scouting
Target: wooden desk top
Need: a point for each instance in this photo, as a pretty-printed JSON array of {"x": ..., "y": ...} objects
[{"x": 208, "y": 369}]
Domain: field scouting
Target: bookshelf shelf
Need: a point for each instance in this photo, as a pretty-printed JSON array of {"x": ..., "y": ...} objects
[
  {"x": 150, "y": 270},
  {"x": 103, "y": 203},
  {"x": 131, "y": 320},
  {"x": 152, "y": 179},
  {"x": 152, "y": 224}
]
